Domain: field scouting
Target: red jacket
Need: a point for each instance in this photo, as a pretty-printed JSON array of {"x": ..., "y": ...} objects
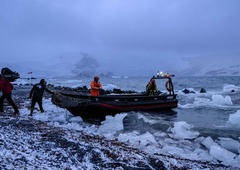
[
  {"x": 95, "y": 86},
  {"x": 5, "y": 86}
]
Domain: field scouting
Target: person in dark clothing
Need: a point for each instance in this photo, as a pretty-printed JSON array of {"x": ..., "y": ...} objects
[
  {"x": 169, "y": 86},
  {"x": 36, "y": 95},
  {"x": 6, "y": 87}
]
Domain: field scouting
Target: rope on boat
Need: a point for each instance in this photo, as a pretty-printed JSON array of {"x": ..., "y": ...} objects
[
  {"x": 86, "y": 104},
  {"x": 65, "y": 101}
]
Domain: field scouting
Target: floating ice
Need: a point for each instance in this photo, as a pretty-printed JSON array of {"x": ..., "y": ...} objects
[
  {"x": 109, "y": 87},
  {"x": 219, "y": 99},
  {"x": 208, "y": 142},
  {"x": 21, "y": 82},
  {"x": 228, "y": 100},
  {"x": 108, "y": 128},
  {"x": 230, "y": 144},
  {"x": 222, "y": 154},
  {"x": 138, "y": 139},
  {"x": 234, "y": 119},
  {"x": 182, "y": 130},
  {"x": 230, "y": 89},
  {"x": 75, "y": 119},
  {"x": 73, "y": 81},
  {"x": 173, "y": 150}
]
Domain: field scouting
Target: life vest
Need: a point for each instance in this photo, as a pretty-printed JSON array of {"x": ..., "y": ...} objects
[{"x": 151, "y": 89}]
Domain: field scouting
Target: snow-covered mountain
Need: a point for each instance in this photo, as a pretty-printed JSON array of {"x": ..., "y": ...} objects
[
  {"x": 212, "y": 66},
  {"x": 73, "y": 64},
  {"x": 67, "y": 64}
]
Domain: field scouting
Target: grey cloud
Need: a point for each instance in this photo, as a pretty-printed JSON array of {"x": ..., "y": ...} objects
[{"x": 115, "y": 31}]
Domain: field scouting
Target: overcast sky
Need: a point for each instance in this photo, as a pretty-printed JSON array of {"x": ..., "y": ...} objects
[{"x": 120, "y": 32}]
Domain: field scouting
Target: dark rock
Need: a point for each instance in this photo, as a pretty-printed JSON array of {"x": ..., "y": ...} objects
[
  {"x": 186, "y": 91},
  {"x": 203, "y": 90}
]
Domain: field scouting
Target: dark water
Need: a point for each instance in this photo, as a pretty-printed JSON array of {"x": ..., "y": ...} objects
[{"x": 198, "y": 109}]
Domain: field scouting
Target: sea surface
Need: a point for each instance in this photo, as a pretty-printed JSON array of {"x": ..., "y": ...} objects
[
  {"x": 205, "y": 127},
  {"x": 208, "y": 112}
]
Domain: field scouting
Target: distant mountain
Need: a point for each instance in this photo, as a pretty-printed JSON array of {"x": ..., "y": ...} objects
[
  {"x": 84, "y": 65},
  {"x": 78, "y": 65},
  {"x": 61, "y": 65},
  {"x": 212, "y": 66},
  {"x": 67, "y": 64}
]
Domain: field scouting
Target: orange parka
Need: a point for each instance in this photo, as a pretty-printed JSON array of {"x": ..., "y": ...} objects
[{"x": 95, "y": 86}]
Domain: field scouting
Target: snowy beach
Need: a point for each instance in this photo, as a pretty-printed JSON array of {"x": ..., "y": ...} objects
[
  {"x": 27, "y": 143},
  {"x": 56, "y": 139}
]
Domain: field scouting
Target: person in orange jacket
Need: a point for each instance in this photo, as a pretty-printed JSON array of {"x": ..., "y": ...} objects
[
  {"x": 95, "y": 86},
  {"x": 6, "y": 88}
]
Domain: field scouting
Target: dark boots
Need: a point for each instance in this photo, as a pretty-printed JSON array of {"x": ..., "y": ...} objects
[{"x": 31, "y": 112}]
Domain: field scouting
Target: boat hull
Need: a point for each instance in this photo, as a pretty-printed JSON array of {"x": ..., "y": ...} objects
[
  {"x": 102, "y": 109},
  {"x": 89, "y": 107}
]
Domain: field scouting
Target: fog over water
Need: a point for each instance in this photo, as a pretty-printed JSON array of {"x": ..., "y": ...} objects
[{"x": 132, "y": 35}]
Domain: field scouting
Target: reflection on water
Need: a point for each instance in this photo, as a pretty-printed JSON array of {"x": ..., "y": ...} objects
[{"x": 149, "y": 121}]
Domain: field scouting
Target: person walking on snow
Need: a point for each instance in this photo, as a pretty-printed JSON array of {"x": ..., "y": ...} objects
[
  {"x": 36, "y": 95},
  {"x": 6, "y": 87}
]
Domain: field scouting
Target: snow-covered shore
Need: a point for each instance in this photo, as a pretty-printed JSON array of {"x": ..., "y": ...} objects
[
  {"x": 26, "y": 143},
  {"x": 57, "y": 140}
]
